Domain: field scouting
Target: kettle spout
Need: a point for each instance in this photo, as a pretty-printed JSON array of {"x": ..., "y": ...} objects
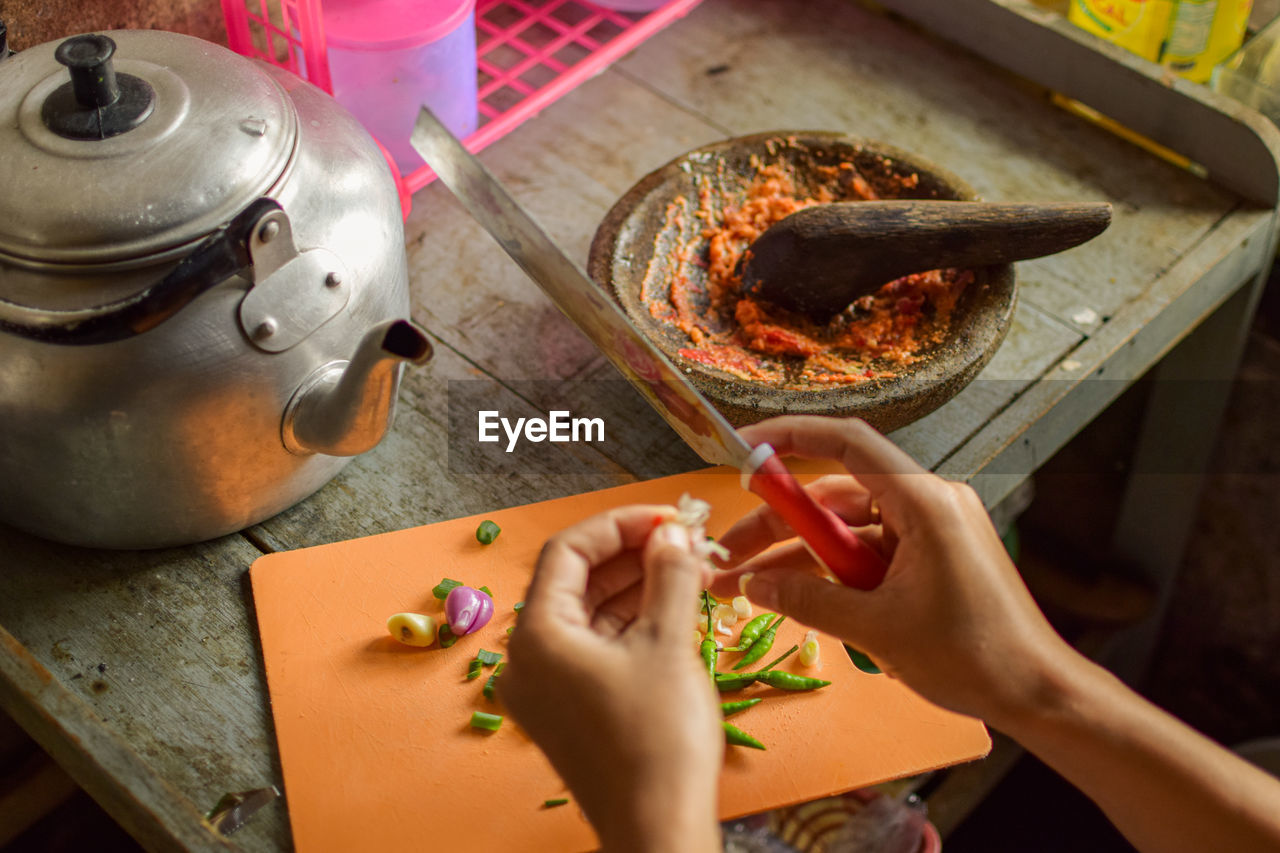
[{"x": 345, "y": 408}]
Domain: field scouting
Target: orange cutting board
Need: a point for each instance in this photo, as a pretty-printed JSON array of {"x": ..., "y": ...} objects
[{"x": 374, "y": 738}]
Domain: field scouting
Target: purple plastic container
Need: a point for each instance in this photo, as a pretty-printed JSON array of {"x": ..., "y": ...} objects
[{"x": 388, "y": 57}]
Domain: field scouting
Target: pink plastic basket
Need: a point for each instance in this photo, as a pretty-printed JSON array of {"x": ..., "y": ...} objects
[{"x": 529, "y": 53}]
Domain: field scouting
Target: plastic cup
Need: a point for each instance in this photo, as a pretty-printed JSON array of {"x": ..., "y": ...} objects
[{"x": 389, "y": 57}]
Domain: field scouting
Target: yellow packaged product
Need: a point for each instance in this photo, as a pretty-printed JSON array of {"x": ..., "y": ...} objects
[
  {"x": 1139, "y": 26},
  {"x": 1203, "y": 33}
]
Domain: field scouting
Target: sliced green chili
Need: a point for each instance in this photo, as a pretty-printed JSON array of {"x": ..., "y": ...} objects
[
  {"x": 738, "y": 737},
  {"x": 487, "y": 591},
  {"x": 861, "y": 661},
  {"x": 487, "y": 532},
  {"x": 518, "y": 606},
  {"x": 727, "y": 681},
  {"x": 492, "y": 683},
  {"x": 487, "y": 722},
  {"x": 446, "y": 636},
  {"x": 488, "y": 658},
  {"x": 512, "y": 628},
  {"x": 441, "y": 590},
  {"x": 760, "y": 647},
  {"x": 473, "y": 669},
  {"x": 789, "y": 681},
  {"x": 751, "y": 632},
  {"x": 788, "y": 653},
  {"x": 728, "y": 709},
  {"x": 559, "y": 801}
]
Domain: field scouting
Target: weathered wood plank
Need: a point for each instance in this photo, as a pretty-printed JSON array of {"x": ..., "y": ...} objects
[
  {"x": 151, "y": 649},
  {"x": 1021, "y": 437},
  {"x": 567, "y": 166},
  {"x": 1035, "y": 343},
  {"x": 833, "y": 65},
  {"x": 415, "y": 477},
  {"x": 1237, "y": 145}
]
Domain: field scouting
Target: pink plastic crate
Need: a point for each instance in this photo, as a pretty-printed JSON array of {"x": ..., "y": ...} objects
[{"x": 529, "y": 53}]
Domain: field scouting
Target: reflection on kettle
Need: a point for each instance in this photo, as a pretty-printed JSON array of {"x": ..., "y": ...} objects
[{"x": 203, "y": 290}]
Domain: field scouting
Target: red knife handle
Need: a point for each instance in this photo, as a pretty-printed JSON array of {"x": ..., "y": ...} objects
[{"x": 829, "y": 539}]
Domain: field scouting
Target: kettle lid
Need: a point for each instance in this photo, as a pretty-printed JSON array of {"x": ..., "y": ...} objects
[{"x": 133, "y": 142}]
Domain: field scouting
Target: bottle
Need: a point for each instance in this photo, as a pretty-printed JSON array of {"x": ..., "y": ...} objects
[{"x": 1202, "y": 33}]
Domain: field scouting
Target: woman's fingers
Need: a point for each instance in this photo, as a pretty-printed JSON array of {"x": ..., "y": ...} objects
[
  {"x": 673, "y": 579},
  {"x": 559, "y": 585},
  {"x": 792, "y": 557},
  {"x": 612, "y": 617},
  {"x": 875, "y": 461},
  {"x": 810, "y": 599},
  {"x": 613, "y": 577},
  {"x": 762, "y": 527}
]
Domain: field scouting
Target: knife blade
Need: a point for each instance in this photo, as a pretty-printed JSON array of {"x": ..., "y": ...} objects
[{"x": 638, "y": 359}]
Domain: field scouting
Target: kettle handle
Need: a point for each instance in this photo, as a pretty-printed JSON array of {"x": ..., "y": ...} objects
[{"x": 218, "y": 257}]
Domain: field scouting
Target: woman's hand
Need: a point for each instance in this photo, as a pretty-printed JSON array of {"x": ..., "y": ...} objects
[
  {"x": 605, "y": 677},
  {"x": 952, "y": 618}
]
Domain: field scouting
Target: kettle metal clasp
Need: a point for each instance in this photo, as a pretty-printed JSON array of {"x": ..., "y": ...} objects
[{"x": 294, "y": 293}]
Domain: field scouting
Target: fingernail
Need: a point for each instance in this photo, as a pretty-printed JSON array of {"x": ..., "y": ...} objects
[
  {"x": 743, "y": 580},
  {"x": 673, "y": 534}
]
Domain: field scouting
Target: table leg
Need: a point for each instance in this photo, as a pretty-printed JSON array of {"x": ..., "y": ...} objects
[{"x": 1178, "y": 434}]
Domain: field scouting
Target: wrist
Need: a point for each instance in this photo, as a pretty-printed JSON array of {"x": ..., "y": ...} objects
[
  {"x": 661, "y": 819},
  {"x": 1063, "y": 689}
]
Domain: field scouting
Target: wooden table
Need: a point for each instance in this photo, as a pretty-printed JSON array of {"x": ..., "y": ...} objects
[{"x": 140, "y": 671}]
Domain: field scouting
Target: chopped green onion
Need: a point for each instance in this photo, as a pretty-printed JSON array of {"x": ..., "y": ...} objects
[
  {"x": 518, "y": 606},
  {"x": 487, "y": 722},
  {"x": 441, "y": 590},
  {"x": 551, "y": 804},
  {"x": 492, "y": 684},
  {"x": 446, "y": 636},
  {"x": 487, "y": 591},
  {"x": 488, "y": 658},
  {"x": 487, "y": 532},
  {"x": 473, "y": 669}
]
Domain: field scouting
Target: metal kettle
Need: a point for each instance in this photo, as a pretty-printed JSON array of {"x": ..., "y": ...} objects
[{"x": 203, "y": 290}]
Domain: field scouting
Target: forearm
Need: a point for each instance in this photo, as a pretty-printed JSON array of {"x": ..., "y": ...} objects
[
  {"x": 1166, "y": 787},
  {"x": 652, "y": 821}
]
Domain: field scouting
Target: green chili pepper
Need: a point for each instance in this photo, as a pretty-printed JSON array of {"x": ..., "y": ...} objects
[
  {"x": 710, "y": 654},
  {"x": 752, "y": 631},
  {"x": 487, "y": 591},
  {"x": 492, "y": 684},
  {"x": 760, "y": 647},
  {"x": 488, "y": 658},
  {"x": 861, "y": 661},
  {"x": 726, "y": 681},
  {"x": 473, "y": 669},
  {"x": 738, "y": 737},
  {"x": 441, "y": 590},
  {"x": 488, "y": 722},
  {"x": 518, "y": 606},
  {"x": 780, "y": 658},
  {"x": 551, "y": 804},
  {"x": 789, "y": 681},
  {"x": 487, "y": 532},
  {"x": 728, "y": 709}
]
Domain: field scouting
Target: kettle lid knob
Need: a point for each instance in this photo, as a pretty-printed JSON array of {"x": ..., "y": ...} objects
[{"x": 98, "y": 103}]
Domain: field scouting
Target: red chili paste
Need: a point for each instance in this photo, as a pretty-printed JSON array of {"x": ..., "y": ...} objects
[{"x": 754, "y": 340}]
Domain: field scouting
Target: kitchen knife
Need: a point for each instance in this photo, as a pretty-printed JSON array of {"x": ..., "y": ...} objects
[{"x": 705, "y": 430}]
